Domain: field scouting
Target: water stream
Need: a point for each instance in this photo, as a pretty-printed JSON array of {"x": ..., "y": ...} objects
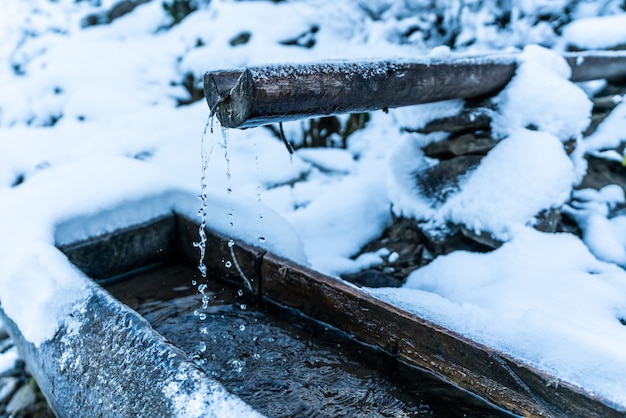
[{"x": 208, "y": 143}]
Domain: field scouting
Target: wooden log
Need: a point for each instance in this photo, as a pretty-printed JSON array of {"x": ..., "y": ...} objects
[
  {"x": 264, "y": 95},
  {"x": 259, "y": 96},
  {"x": 596, "y": 65}
]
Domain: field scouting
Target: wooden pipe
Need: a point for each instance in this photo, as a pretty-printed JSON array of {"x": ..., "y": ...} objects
[{"x": 269, "y": 94}]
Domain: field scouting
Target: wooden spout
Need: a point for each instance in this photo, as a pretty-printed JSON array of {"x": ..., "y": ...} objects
[{"x": 259, "y": 96}]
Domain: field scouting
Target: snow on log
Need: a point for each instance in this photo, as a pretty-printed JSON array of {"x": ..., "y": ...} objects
[{"x": 269, "y": 94}]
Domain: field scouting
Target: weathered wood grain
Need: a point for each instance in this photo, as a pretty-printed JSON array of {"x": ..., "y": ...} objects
[{"x": 258, "y": 96}]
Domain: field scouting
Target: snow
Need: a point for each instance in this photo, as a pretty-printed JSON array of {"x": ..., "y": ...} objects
[
  {"x": 604, "y": 235},
  {"x": 545, "y": 294},
  {"x": 8, "y": 359},
  {"x": 539, "y": 176},
  {"x": 596, "y": 32},
  {"x": 609, "y": 134},
  {"x": 92, "y": 139},
  {"x": 540, "y": 96}
]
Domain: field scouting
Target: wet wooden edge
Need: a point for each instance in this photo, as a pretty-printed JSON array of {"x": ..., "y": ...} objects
[
  {"x": 496, "y": 377},
  {"x": 508, "y": 383},
  {"x": 491, "y": 375}
]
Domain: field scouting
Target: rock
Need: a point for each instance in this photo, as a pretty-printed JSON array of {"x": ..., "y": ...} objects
[
  {"x": 602, "y": 172},
  {"x": 548, "y": 220},
  {"x": 373, "y": 278},
  {"x": 471, "y": 119},
  {"x": 442, "y": 180},
  {"x": 484, "y": 238},
  {"x": 466, "y": 144},
  {"x": 241, "y": 39},
  {"x": 118, "y": 10},
  {"x": 305, "y": 40}
]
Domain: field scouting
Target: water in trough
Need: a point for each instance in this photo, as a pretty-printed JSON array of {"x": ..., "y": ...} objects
[{"x": 281, "y": 363}]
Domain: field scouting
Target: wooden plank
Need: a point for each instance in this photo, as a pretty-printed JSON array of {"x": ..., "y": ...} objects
[
  {"x": 277, "y": 93},
  {"x": 596, "y": 65},
  {"x": 112, "y": 256},
  {"x": 508, "y": 383}
]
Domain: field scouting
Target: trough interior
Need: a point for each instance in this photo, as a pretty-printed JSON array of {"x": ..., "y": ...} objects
[{"x": 152, "y": 268}]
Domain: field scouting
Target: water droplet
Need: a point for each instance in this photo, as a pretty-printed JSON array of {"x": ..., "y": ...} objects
[
  {"x": 229, "y": 190},
  {"x": 200, "y": 315},
  {"x": 202, "y": 268},
  {"x": 237, "y": 365},
  {"x": 239, "y": 292},
  {"x": 261, "y": 239},
  {"x": 228, "y": 264},
  {"x": 231, "y": 243},
  {"x": 193, "y": 282},
  {"x": 204, "y": 330},
  {"x": 243, "y": 306},
  {"x": 242, "y": 327},
  {"x": 202, "y": 287},
  {"x": 202, "y": 347}
]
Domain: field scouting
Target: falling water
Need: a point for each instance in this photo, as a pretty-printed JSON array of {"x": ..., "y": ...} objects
[
  {"x": 206, "y": 150},
  {"x": 208, "y": 143}
]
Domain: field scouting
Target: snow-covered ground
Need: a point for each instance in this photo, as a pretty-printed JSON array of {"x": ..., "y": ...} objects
[{"x": 89, "y": 120}]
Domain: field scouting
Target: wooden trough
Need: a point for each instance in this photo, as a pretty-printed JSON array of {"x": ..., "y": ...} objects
[{"x": 493, "y": 376}]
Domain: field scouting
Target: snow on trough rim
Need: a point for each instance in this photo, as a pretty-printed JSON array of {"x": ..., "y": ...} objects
[{"x": 541, "y": 298}]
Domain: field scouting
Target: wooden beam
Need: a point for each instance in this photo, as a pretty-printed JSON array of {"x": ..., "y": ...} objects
[
  {"x": 596, "y": 65},
  {"x": 259, "y": 96},
  {"x": 278, "y": 93}
]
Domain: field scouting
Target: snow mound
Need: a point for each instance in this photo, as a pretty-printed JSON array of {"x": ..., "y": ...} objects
[{"x": 600, "y": 32}]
